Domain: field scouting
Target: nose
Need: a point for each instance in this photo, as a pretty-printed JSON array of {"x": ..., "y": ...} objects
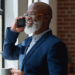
[{"x": 28, "y": 17}]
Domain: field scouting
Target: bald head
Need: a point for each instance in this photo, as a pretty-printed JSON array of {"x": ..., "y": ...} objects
[{"x": 42, "y": 8}]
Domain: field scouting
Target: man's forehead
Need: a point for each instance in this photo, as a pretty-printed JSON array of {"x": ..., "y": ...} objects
[{"x": 33, "y": 10}]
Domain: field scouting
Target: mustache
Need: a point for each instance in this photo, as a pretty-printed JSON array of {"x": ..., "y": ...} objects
[{"x": 29, "y": 20}]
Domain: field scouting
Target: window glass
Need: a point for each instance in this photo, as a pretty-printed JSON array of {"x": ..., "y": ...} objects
[
  {"x": 35, "y": 0},
  {"x": 29, "y": 2}
]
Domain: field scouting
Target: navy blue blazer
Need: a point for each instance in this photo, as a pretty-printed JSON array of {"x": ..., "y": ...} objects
[{"x": 47, "y": 57}]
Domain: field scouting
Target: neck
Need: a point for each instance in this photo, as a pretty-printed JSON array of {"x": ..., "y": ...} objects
[{"x": 40, "y": 31}]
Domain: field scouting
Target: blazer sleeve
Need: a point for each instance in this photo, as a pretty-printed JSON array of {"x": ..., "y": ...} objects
[
  {"x": 57, "y": 59},
  {"x": 10, "y": 51}
]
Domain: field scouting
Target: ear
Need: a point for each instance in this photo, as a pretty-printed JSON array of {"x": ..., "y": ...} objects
[{"x": 47, "y": 18}]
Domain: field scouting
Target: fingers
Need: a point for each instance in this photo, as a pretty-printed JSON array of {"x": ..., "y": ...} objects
[
  {"x": 20, "y": 29},
  {"x": 16, "y": 72},
  {"x": 20, "y": 17}
]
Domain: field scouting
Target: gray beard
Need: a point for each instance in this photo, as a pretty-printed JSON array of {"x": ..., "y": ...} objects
[{"x": 30, "y": 30}]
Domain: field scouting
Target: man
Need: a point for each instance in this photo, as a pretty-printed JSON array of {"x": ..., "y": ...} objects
[{"x": 40, "y": 54}]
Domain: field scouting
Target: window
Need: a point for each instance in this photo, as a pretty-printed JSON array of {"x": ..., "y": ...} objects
[
  {"x": 36, "y": 0},
  {"x": 32, "y": 1},
  {"x": 1, "y": 31}
]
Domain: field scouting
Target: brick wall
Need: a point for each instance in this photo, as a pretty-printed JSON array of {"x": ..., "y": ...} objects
[{"x": 66, "y": 25}]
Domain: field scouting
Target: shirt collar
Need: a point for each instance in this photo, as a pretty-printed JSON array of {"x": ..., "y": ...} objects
[{"x": 37, "y": 37}]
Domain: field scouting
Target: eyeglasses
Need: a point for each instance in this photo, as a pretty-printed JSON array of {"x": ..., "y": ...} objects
[{"x": 33, "y": 14}]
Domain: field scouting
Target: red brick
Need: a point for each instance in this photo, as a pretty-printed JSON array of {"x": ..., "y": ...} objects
[
  {"x": 63, "y": 16},
  {"x": 72, "y": 55},
  {"x": 68, "y": 47},
  {"x": 63, "y": 35},
  {"x": 70, "y": 12},
  {"x": 63, "y": 24},
  {"x": 70, "y": 44},
  {"x": 63, "y": 12},
  {"x": 62, "y": 31},
  {"x": 73, "y": 0},
  {"x": 72, "y": 7},
  {"x": 72, "y": 24},
  {"x": 62, "y": 8},
  {"x": 69, "y": 19},
  {"x": 64, "y": 39},
  {"x": 62, "y": 0},
  {"x": 69, "y": 35},
  {"x": 69, "y": 27},
  {"x": 71, "y": 51},
  {"x": 72, "y": 47},
  {"x": 60, "y": 4},
  {"x": 58, "y": 35},
  {"x": 72, "y": 31},
  {"x": 69, "y": 4},
  {"x": 59, "y": 20},
  {"x": 72, "y": 39},
  {"x": 73, "y": 16},
  {"x": 59, "y": 27},
  {"x": 58, "y": 12}
]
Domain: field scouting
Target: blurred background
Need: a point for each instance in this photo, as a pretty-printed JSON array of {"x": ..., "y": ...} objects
[{"x": 62, "y": 25}]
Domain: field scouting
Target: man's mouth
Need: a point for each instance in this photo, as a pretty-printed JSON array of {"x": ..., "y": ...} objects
[{"x": 29, "y": 23}]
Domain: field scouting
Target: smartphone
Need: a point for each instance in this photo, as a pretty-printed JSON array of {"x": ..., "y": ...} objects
[{"x": 21, "y": 22}]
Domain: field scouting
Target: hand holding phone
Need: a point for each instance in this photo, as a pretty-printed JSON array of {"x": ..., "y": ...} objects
[{"x": 19, "y": 24}]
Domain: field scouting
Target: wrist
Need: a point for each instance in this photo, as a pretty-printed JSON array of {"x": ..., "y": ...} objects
[{"x": 14, "y": 30}]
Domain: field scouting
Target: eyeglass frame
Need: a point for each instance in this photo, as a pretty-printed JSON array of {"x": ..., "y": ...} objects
[{"x": 34, "y": 14}]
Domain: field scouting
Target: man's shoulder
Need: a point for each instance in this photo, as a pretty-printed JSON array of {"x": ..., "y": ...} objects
[{"x": 54, "y": 39}]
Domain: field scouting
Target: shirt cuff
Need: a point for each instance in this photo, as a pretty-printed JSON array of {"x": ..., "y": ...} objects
[{"x": 13, "y": 30}]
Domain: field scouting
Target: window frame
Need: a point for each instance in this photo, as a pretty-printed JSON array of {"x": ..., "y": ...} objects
[
  {"x": 32, "y": 1},
  {"x": 3, "y": 26}
]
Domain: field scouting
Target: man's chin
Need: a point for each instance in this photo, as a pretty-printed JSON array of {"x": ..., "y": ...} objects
[{"x": 29, "y": 25}]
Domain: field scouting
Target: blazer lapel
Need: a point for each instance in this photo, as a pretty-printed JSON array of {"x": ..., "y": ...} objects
[
  {"x": 42, "y": 39},
  {"x": 27, "y": 42}
]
